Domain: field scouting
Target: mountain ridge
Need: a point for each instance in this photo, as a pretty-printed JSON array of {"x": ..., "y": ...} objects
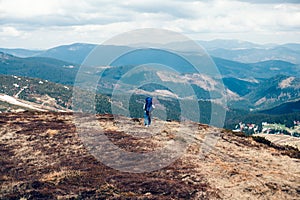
[
  {"x": 38, "y": 67},
  {"x": 242, "y": 79},
  {"x": 236, "y": 50}
]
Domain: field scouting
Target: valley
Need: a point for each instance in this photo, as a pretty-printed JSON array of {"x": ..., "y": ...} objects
[
  {"x": 49, "y": 143},
  {"x": 264, "y": 91},
  {"x": 150, "y": 100}
]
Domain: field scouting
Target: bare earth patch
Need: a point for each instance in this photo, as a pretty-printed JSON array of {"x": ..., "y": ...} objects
[{"x": 42, "y": 157}]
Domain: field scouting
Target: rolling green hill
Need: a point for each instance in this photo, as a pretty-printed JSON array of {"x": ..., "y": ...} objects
[
  {"x": 241, "y": 87},
  {"x": 74, "y": 53},
  {"x": 43, "y": 92},
  {"x": 275, "y": 91},
  {"x": 36, "y": 90},
  {"x": 260, "y": 70},
  {"x": 22, "y": 53},
  {"x": 37, "y": 67},
  {"x": 285, "y": 108},
  {"x": 258, "y": 81},
  {"x": 288, "y": 52}
]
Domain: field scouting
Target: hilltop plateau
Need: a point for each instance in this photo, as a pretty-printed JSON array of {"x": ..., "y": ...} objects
[{"x": 43, "y": 157}]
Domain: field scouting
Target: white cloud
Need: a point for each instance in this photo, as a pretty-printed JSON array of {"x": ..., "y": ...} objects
[
  {"x": 27, "y": 8},
  {"x": 23, "y": 22},
  {"x": 271, "y": 1},
  {"x": 9, "y": 31}
]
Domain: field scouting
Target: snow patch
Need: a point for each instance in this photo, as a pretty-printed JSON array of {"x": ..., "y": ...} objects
[{"x": 16, "y": 85}]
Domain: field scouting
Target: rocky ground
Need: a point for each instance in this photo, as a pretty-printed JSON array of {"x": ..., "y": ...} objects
[
  {"x": 44, "y": 156},
  {"x": 280, "y": 139}
]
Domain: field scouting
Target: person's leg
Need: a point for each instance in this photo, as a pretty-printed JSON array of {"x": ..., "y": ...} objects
[
  {"x": 149, "y": 118},
  {"x": 146, "y": 121}
]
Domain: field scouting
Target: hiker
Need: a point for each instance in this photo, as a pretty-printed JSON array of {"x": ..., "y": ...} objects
[{"x": 148, "y": 107}]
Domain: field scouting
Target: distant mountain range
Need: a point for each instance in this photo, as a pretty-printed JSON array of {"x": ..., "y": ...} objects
[
  {"x": 235, "y": 50},
  {"x": 249, "y": 55},
  {"x": 259, "y": 70},
  {"x": 75, "y": 53},
  {"x": 262, "y": 85},
  {"x": 22, "y": 53},
  {"x": 67, "y": 55}
]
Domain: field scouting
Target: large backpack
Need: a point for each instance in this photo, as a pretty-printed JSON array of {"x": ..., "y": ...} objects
[{"x": 148, "y": 105}]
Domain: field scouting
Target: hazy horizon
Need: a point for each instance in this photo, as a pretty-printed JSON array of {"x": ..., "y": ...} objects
[
  {"x": 83, "y": 42},
  {"x": 41, "y": 24}
]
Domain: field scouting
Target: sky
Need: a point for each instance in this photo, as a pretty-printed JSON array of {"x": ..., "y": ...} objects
[{"x": 41, "y": 24}]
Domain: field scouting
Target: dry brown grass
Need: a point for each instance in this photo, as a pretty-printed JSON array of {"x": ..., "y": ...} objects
[
  {"x": 36, "y": 166},
  {"x": 51, "y": 132},
  {"x": 57, "y": 176}
]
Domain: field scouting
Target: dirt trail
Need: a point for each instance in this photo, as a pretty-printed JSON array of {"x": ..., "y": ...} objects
[
  {"x": 18, "y": 102},
  {"x": 31, "y": 105}
]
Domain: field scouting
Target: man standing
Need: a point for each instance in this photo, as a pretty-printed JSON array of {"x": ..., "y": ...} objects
[{"x": 148, "y": 107}]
